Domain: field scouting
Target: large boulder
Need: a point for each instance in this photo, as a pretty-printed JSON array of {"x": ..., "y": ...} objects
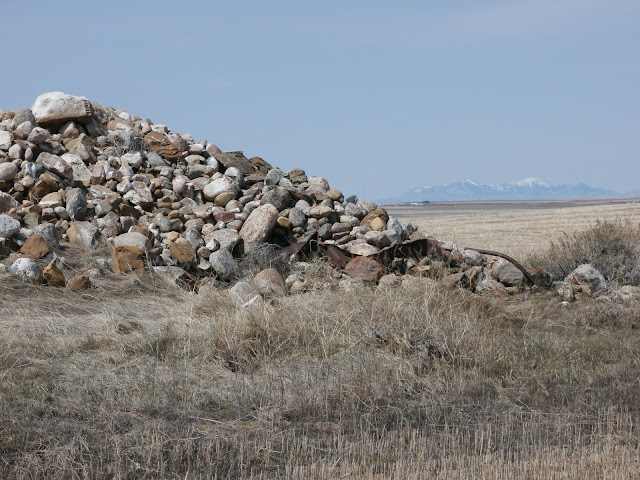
[
  {"x": 259, "y": 226},
  {"x": 58, "y": 107}
]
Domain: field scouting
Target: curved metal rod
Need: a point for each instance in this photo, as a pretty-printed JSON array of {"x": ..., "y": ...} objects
[{"x": 508, "y": 258}]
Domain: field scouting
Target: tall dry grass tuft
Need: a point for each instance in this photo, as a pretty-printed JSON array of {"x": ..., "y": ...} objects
[
  {"x": 612, "y": 247},
  {"x": 139, "y": 379}
]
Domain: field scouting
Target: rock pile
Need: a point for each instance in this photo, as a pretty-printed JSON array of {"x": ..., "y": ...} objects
[{"x": 74, "y": 171}]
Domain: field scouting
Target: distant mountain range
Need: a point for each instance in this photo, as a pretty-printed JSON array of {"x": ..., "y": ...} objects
[{"x": 527, "y": 189}]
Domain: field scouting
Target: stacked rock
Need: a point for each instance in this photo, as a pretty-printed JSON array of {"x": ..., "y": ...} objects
[{"x": 90, "y": 174}]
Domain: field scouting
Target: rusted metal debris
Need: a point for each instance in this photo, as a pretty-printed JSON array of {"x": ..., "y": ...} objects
[{"x": 524, "y": 271}]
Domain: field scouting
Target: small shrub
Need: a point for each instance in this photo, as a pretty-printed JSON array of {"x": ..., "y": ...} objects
[{"x": 613, "y": 248}]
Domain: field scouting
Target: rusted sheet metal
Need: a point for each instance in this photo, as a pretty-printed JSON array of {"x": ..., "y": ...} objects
[
  {"x": 337, "y": 256},
  {"x": 415, "y": 249}
]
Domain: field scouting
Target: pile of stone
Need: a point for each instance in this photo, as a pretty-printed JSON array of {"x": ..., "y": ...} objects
[{"x": 72, "y": 171}]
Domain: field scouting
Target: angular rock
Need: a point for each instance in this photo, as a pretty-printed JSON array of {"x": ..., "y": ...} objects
[
  {"x": 53, "y": 275},
  {"x": 49, "y": 233},
  {"x": 182, "y": 252},
  {"x": 76, "y": 203},
  {"x": 244, "y": 294},
  {"x": 9, "y": 226},
  {"x": 223, "y": 264},
  {"x": 35, "y": 247},
  {"x": 83, "y": 234},
  {"x": 127, "y": 259},
  {"x": 7, "y": 202},
  {"x": 509, "y": 275},
  {"x": 133, "y": 239},
  {"x": 58, "y": 107},
  {"x": 78, "y": 282}
]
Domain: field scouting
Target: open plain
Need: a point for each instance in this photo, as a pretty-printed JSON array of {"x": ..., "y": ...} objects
[
  {"x": 137, "y": 378},
  {"x": 517, "y": 228}
]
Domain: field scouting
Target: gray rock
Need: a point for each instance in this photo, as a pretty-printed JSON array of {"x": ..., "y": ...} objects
[
  {"x": 133, "y": 239},
  {"x": 259, "y": 226},
  {"x": 226, "y": 238},
  {"x": 223, "y": 264},
  {"x": 139, "y": 195},
  {"x": 244, "y": 294},
  {"x": 274, "y": 176},
  {"x": 27, "y": 270},
  {"x": 8, "y": 171},
  {"x": 22, "y": 116},
  {"x": 80, "y": 172},
  {"x": 132, "y": 159},
  {"x": 155, "y": 160},
  {"x": 473, "y": 258},
  {"x": 50, "y": 234},
  {"x": 509, "y": 275},
  {"x": 55, "y": 164},
  {"x": 172, "y": 274},
  {"x": 278, "y": 197},
  {"x": 76, "y": 203},
  {"x": 84, "y": 234},
  {"x": 58, "y": 107},
  {"x": 9, "y": 226},
  {"x": 32, "y": 169},
  {"x": 39, "y": 135},
  {"x": 297, "y": 217},
  {"x": 586, "y": 274},
  {"x": 7, "y": 202}
]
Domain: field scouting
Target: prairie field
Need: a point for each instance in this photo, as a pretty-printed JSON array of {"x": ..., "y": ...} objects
[
  {"x": 516, "y": 228},
  {"x": 137, "y": 378}
]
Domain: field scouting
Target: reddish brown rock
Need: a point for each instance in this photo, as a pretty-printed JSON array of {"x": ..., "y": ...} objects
[
  {"x": 364, "y": 268},
  {"x": 53, "y": 275},
  {"x": 127, "y": 259},
  {"x": 79, "y": 282},
  {"x": 224, "y": 216},
  {"x": 183, "y": 253},
  {"x": 160, "y": 144},
  {"x": 35, "y": 246}
]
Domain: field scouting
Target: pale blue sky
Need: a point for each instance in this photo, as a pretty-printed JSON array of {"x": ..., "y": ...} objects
[{"x": 374, "y": 95}]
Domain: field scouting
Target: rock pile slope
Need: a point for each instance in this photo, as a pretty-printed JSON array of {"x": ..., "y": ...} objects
[{"x": 75, "y": 172}]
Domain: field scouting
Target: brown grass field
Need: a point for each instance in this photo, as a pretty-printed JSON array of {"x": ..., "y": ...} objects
[
  {"x": 135, "y": 378},
  {"x": 515, "y": 228}
]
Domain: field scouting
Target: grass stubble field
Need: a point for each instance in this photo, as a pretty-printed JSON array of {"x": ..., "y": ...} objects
[{"x": 136, "y": 378}]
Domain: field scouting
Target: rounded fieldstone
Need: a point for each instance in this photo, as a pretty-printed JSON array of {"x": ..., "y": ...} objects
[{"x": 9, "y": 226}]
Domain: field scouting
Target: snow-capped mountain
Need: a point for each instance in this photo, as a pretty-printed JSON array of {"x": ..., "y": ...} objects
[{"x": 526, "y": 189}]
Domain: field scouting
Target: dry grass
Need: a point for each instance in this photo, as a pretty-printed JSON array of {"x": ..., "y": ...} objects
[
  {"x": 138, "y": 379},
  {"x": 515, "y": 231}
]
